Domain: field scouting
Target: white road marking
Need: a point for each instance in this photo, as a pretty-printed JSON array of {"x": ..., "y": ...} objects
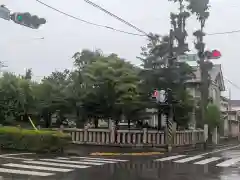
[
  {"x": 118, "y": 160},
  {"x": 188, "y": 159},
  {"x": 16, "y": 158},
  {"x": 37, "y": 167},
  {"x": 64, "y": 158},
  {"x": 170, "y": 158},
  {"x": 208, "y": 160},
  {"x": 56, "y": 164},
  {"x": 32, "y": 173},
  {"x": 220, "y": 150},
  {"x": 4, "y": 155},
  {"x": 98, "y": 161},
  {"x": 228, "y": 162},
  {"x": 73, "y": 162}
]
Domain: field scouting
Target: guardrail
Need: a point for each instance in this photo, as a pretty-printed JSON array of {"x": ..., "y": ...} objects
[{"x": 133, "y": 137}]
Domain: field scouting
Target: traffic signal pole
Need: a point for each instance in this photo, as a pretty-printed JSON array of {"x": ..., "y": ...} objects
[
  {"x": 204, "y": 77},
  {"x": 169, "y": 127}
]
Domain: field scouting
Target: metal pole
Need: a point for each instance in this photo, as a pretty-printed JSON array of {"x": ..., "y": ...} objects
[
  {"x": 204, "y": 77},
  {"x": 170, "y": 113},
  {"x": 159, "y": 118}
]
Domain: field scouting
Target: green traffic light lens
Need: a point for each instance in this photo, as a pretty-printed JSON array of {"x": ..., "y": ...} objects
[{"x": 19, "y": 18}]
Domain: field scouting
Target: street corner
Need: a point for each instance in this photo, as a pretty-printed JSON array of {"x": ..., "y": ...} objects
[{"x": 126, "y": 154}]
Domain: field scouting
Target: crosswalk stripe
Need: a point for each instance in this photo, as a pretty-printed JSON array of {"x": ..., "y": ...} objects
[
  {"x": 73, "y": 162},
  {"x": 4, "y": 155},
  {"x": 228, "y": 162},
  {"x": 170, "y": 158},
  {"x": 99, "y": 161},
  {"x": 56, "y": 164},
  {"x": 188, "y": 159},
  {"x": 120, "y": 160},
  {"x": 32, "y": 173},
  {"x": 206, "y": 161},
  {"x": 17, "y": 158},
  {"x": 37, "y": 167},
  {"x": 64, "y": 158}
]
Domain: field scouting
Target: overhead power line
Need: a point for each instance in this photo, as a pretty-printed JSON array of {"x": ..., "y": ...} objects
[
  {"x": 232, "y": 83},
  {"x": 129, "y": 24},
  {"x": 116, "y": 17},
  {"x": 143, "y": 34},
  {"x": 220, "y": 33},
  {"x": 88, "y": 22}
]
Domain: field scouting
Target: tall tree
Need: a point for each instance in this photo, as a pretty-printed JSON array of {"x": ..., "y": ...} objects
[
  {"x": 201, "y": 10},
  {"x": 157, "y": 75},
  {"x": 161, "y": 71},
  {"x": 112, "y": 86}
]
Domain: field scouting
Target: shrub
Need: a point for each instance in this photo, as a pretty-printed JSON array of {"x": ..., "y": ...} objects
[{"x": 32, "y": 140}]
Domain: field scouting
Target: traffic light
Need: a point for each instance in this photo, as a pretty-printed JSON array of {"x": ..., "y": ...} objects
[
  {"x": 26, "y": 19},
  {"x": 215, "y": 54},
  {"x": 169, "y": 97},
  {"x": 160, "y": 96}
]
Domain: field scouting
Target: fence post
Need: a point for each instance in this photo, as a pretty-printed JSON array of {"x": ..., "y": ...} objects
[
  {"x": 194, "y": 134},
  {"x": 112, "y": 135},
  {"x": 215, "y": 136},
  {"x": 205, "y": 135},
  {"x": 144, "y": 135},
  {"x": 85, "y": 134},
  {"x": 61, "y": 128},
  {"x": 174, "y": 132}
]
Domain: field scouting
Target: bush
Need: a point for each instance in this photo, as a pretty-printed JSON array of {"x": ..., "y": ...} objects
[{"x": 32, "y": 140}]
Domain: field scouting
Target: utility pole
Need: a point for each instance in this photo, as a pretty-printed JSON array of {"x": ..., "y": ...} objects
[
  {"x": 168, "y": 103},
  {"x": 204, "y": 74}
]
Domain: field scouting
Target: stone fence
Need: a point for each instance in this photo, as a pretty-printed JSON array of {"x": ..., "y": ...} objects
[{"x": 143, "y": 137}]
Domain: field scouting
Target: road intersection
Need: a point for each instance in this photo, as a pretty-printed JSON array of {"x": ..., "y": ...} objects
[{"x": 202, "y": 165}]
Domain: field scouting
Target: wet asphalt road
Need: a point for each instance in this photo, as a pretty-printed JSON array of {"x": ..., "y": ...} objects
[{"x": 213, "y": 165}]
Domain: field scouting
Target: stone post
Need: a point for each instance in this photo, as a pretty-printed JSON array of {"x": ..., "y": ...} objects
[
  {"x": 85, "y": 133},
  {"x": 205, "y": 135},
  {"x": 144, "y": 135},
  {"x": 194, "y": 138},
  {"x": 215, "y": 136},
  {"x": 112, "y": 134},
  {"x": 61, "y": 128}
]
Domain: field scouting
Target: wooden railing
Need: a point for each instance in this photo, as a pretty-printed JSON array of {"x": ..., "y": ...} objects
[{"x": 133, "y": 137}]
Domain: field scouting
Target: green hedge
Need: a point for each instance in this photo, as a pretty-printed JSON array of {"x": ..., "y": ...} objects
[{"x": 32, "y": 140}]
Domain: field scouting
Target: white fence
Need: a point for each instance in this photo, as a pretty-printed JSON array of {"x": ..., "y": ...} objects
[{"x": 133, "y": 137}]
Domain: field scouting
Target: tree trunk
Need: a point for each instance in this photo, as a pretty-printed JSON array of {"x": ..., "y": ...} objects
[
  {"x": 78, "y": 114},
  {"x": 47, "y": 118},
  {"x": 117, "y": 123},
  {"x": 96, "y": 123},
  {"x": 129, "y": 123}
]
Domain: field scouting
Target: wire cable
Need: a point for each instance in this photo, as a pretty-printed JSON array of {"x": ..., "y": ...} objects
[
  {"x": 129, "y": 24},
  {"x": 88, "y": 22},
  {"x": 232, "y": 83},
  {"x": 115, "y": 16},
  {"x": 220, "y": 33},
  {"x": 227, "y": 32},
  {"x": 118, "y": 30}
]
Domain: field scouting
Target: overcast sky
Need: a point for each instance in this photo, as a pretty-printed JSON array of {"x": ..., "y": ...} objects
[{"x": 21, "y": 48}]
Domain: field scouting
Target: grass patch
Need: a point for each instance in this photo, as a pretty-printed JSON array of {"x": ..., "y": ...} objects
[{"x": 33, "y": 140}]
